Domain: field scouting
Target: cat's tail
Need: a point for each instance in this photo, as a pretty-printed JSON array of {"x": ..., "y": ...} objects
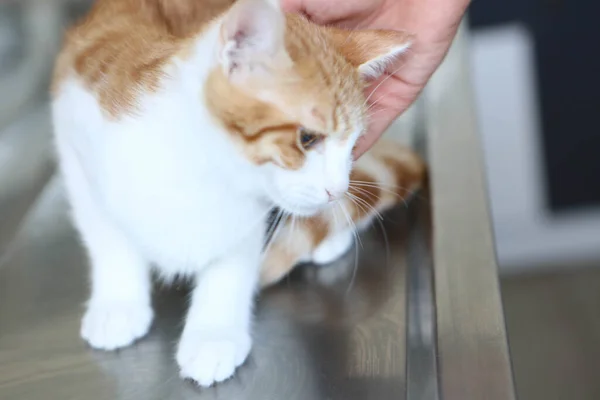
[{"x": 386, "y": 176}]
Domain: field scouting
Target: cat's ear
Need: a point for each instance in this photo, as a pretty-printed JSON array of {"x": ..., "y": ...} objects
[
  {"x": 252, "y": 37},
  {"x": 371, "y": 51}
]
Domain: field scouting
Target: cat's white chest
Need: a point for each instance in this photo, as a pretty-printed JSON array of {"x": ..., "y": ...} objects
[
  {"x": 179, "y": 221},
  {"x": 171, "y": 184}
]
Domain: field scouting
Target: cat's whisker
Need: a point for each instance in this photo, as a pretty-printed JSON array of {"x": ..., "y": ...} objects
[
  {"x": 351, "y": 224},
  {"x": 381, "y": 83},
  {"x": 278, "y": 230},
  {"x": 389, "y": 75},
  {"x": 291, "y": 230},
  {"x": 354, "y": 200},
  {"x": 381, "y": 117},
  {"x": 273, "y": 232},
  {"x": 275, "y": 235},
  {"x": 379, "y": 185},
  {"x": 370, "y": 115},
  {"x": 366, "y": 205},
  {"x": 356, "y": 238},
  {"x": 369, "y": 206},
  {"x": 374, "y": 185},
  {"x": 259, "y": 220},
  {"x": 361, "y": 186},
  {"x": 358, "y": 205},
  {"x": 386, "y": 241},
  {"x": 383, "y": 231},
  {"x": 379, "y": 220},
  {"x": 354, "y": 271},
  {"x": 349, "y": 36},
  {"x": 391, "y": 192},
  {"x": 365, "y": 192},
  {"x": 374, "y": 103},
  {"x": 335, "y": 216},
  {"x": 277, "y": 222}
]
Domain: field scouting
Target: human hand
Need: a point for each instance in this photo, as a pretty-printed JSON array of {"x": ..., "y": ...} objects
[{"x": 434, "y": 24}]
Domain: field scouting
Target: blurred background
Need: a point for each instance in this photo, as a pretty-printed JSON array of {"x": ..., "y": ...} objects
[
  {"x": 535, "y": 77},
  {"x": 537, "y": 89}
]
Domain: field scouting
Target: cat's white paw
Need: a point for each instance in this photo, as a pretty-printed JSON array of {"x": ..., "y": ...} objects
[
  {"x": 333, "y": 248},
  {"x": 115, "y": 325},
  {"x": 207, "y": 359}
]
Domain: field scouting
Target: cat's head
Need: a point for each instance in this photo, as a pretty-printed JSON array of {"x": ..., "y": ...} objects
[{"x": 291, "y": 95}]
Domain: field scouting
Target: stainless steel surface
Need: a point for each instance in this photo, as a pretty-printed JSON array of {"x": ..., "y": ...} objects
[
  {"x": 325, "y": 336},
  {"x": 473, "y": 355},
  {"x": 421, "y": 351},
  {"x": 354, "y": 330},
  {"x": 36, "y": 28}
]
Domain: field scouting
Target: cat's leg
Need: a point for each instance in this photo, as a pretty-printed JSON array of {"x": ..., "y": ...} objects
[
  {"x": 119, "y": 309},
  {"x": 289, "y": 247},
  {"x": 280, "y": 260},
  {"x": 333, "y": 247},
  {"x": 216, "y": 337}
]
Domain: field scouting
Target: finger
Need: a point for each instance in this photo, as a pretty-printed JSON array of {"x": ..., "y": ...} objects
[
  {"x": 376, "y": 128},
  {"x": 347, "y": 13},
  {"x": 292, "y": 5},
  {"x": 386, "y": 102}
]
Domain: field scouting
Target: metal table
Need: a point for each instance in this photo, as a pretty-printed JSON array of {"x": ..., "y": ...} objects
[{"x": 417, "y": 315}]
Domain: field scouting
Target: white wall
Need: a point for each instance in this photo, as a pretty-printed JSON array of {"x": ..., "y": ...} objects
[{"x": 527, "y": 236}]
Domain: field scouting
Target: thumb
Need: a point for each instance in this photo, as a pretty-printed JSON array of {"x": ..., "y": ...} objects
[
  {"x": 376, "y": 129},
  {"x": 292, "y": 5}
]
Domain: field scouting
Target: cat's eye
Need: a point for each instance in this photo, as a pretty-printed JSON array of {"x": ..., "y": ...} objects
[{"x": 308, "y": 138}]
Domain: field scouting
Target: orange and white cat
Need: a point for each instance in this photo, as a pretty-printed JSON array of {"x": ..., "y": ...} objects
[{"x": 179, "y": 124}]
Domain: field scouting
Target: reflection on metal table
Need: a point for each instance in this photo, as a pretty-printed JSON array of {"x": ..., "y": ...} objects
[{"x": 326, "y": 334}]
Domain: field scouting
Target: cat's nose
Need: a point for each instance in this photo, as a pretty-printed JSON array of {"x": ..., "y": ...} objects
[
  {"x": 330, "y": 197},
  {"x": 333, "y": 195}
]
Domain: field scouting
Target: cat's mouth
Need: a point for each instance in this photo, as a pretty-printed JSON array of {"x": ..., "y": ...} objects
[{"x": 297, "y": 205}]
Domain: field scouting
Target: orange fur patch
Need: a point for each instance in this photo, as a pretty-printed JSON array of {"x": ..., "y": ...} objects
[
  {"x": 277, "y": 264},
  {"x": 408, "y": 177},
  {"x": 365, "y": 198},
  {"x": 262, "y": 131},
  {"x": 318, "y": 228},
  {"x": 122, "y": 47},
  {"x": 407, "y": 168}
]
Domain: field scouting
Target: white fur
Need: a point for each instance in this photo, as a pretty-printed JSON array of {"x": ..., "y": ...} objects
[
  {"x": 333, "y": 247},
  {"x": 166, "y": 187},
  {"x": 374, "y": 68}
]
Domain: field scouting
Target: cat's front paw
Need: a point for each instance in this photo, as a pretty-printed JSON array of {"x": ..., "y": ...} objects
[
  {"x": 209, "y": 358},
  {"x": 115, "y": 325},
  {"x": 333, "y": 248}
]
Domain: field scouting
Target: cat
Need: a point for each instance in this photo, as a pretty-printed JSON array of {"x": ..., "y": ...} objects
[
  {"x": 178, "y": 125},
  {"x": 388, "y": 175}
]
